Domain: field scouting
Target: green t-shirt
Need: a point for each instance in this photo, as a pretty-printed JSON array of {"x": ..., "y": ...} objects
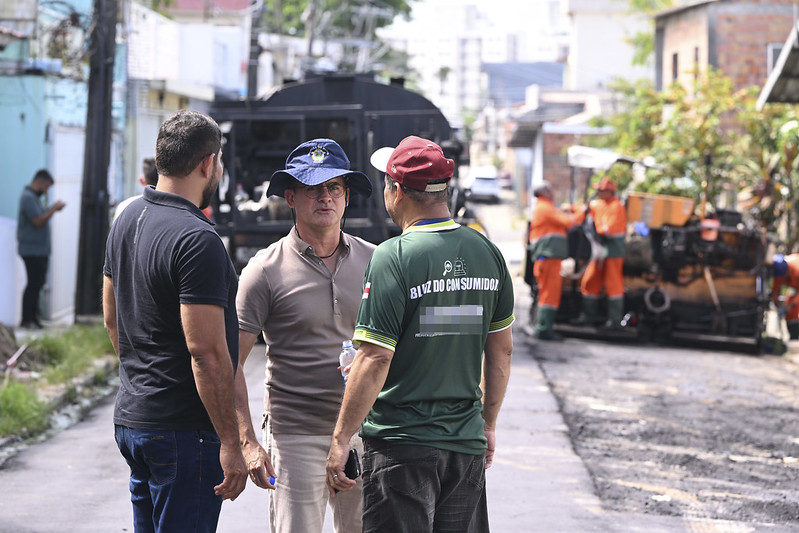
[{"x": 432, "y": 295}]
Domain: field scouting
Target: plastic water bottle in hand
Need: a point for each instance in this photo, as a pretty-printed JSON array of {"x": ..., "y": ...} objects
[{"x": 345, "y": 359}]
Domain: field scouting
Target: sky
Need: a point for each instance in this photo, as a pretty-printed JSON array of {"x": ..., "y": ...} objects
[{"x": 512, "y": 15}]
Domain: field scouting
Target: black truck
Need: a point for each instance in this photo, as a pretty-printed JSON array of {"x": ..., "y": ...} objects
[{"x": 355, "y": 110}]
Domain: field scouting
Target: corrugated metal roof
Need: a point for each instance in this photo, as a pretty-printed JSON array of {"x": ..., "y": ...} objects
[
  {"x": 782, "y": 84},
  {"x": 529, "y": 124},
  {"x": 507, "y": 82},
  {"x": 684, "y": 7}
]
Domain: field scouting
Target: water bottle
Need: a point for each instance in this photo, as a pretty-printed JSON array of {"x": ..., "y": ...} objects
[{"x": 345, "y": 359}]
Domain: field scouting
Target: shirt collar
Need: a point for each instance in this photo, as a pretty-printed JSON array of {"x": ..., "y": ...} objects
[
  {"x": 433, "y": 224},
  {"x": 173, "y": 200},
  {"x": 304, "y": 248}
]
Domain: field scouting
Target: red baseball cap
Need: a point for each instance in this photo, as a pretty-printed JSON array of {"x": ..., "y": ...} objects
[{"x": 414, "y": 163}]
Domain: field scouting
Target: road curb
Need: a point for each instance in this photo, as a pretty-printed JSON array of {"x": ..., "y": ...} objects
[{"x": 79, "y": 396}]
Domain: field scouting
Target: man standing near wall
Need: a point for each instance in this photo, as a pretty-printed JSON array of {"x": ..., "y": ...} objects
[{"x": 33, "y": 243}]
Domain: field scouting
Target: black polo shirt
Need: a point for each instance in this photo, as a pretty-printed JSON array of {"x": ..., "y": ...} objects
[{"x": 162, "y": 252}]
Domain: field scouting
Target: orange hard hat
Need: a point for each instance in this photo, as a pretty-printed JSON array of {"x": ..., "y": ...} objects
[{"x": 606, "y": 184}]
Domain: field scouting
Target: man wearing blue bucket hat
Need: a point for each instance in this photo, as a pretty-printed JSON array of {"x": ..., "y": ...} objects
[{"x": 303, "y": 293}]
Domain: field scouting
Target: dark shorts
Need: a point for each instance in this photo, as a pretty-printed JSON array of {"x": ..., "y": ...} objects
[{"x": 415, "y": 489}]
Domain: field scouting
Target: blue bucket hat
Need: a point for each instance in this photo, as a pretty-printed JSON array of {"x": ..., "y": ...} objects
[
  {"x": 780, "y": 265},
  {"x": 317, "y": 161}
]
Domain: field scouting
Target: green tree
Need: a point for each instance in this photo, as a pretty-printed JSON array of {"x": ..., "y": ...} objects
[
  {"x": 772, "y": 141},
  {"x": 352, "y": 24},
  {"x": 341, "y": 18},
  {"x": 643, "y": 42},
  {"x": 713, "y": 145}
]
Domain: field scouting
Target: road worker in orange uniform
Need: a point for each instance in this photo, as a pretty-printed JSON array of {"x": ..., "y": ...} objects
[
  {"x": 610, "y": 220},
  {"x": 786, "y": 274},
  {"x": 548, "y": 246}
]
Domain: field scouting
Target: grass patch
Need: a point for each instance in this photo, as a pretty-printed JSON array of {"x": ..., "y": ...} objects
[
  {"x": 59, "y": 359},
  {"x": 71, "y": 353},
  {"x": 21, "y": 411}
]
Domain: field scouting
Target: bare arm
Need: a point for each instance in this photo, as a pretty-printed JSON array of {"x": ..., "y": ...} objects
[
  {"x": 258, "y": 464},
  {"x": 204, "y": 328},
  {"x": 42, "y": 219},
  {"x": 110, "y": 313},
  {"x": 496, "y": 372},
  {"x": 366, "y": 379}
]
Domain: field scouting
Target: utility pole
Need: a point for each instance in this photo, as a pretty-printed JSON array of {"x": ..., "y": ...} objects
[
  {"x": 255, "y": 53},
  {"x": 94, "y": 198}
]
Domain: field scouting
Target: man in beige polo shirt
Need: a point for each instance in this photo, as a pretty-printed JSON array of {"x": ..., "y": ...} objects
[{"x": 303, "y": 293}]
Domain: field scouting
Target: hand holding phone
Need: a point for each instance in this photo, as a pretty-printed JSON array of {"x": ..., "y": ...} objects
[{"x": 353, "y": 467}]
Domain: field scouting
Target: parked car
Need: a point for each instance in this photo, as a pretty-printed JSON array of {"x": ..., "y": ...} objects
[{"x": 485, "y": 188}]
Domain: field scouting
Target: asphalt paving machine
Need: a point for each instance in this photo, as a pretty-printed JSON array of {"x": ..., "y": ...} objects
[{"x": 687, "y": 275}]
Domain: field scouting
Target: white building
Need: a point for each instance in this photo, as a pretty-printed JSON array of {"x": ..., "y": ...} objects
[
  {"x": 598, "y": 46},
  {"x": 449, "y": 40},
  {"x": 171, "y": 66}
]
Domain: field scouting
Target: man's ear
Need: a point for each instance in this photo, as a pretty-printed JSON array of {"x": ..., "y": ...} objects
[
  {"x": 399, "y": 194},
  {"x": 288, "y": 194},
  {"x": 207, "y": 165}
]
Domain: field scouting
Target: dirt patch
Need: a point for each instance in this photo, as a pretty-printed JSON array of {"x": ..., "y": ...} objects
[
  {"x": 689, "y": 432},
  {"x": 8, "y": 344}
]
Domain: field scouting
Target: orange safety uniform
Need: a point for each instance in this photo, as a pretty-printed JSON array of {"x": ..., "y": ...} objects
[
  {"x": 610, "y": 220},
  {"x": 548, "y": 247},
  {"x": 791, "y": 281}
]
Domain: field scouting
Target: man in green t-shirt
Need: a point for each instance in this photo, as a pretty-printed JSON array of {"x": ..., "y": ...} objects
[{"x": 435, "y": 298}]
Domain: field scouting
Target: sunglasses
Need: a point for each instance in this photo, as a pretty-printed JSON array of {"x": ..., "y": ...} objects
[{"x": 335, "y": 190}]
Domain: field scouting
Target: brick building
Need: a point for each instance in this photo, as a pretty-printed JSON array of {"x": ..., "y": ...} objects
[
  {"x": 557, "y": 119},
  {"x": 741, "y": 38}
]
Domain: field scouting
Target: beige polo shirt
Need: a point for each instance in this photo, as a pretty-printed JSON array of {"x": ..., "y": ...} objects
[{"x": 305, "y": 312}]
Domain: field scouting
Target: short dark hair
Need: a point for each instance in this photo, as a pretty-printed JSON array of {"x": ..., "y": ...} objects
[
  {"x": 150, "y": 171},
  {"x": 45, "y": 175},
  {"x": 184, "y": 140},
  {"x": 423, "y": 198}
]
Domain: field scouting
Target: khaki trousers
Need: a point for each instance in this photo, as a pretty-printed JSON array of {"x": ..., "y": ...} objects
[{"x": 298, "y": 503}]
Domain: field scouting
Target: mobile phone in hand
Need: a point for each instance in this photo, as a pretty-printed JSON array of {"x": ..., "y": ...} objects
[{"x": 353, "y": 467}]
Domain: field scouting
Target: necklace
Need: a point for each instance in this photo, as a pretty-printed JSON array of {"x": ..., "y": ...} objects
[{"x": 334, "y": 250}]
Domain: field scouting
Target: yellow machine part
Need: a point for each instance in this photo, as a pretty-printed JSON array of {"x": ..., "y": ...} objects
[
  {"x": 692, "y": 285},
  {"x": 656, "y": 210}
]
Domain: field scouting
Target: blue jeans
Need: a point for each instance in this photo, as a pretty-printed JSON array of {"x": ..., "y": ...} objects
[
  {"x": 416, "y": 489},
  {"x": 172, "y": 479}
]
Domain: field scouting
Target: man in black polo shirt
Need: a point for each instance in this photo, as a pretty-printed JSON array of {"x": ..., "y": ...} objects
[{"x": 169, "y": 296}]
